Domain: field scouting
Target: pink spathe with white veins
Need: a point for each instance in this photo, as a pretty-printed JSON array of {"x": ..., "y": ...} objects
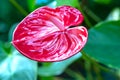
[{"x": 45, "y": 34}]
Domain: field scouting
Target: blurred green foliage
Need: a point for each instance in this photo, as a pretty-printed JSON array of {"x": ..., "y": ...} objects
[{"x": 99, "y": 60}]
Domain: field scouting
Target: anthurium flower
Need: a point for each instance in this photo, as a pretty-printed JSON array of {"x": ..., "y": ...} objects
[{"x": 46, "y": 34}]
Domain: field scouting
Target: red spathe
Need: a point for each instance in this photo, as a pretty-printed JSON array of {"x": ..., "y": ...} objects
[{"x": 45, "y": 36}]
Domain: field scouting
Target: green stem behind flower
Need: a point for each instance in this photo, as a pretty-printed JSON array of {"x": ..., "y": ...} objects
[{"x": 19, "y": 7}]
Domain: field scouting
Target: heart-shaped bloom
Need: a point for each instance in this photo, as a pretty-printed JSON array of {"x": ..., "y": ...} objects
[{"x": 46, "y": 34}]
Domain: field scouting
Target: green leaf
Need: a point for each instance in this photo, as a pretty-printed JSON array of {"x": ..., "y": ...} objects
[
  {"x": 73, "y": 3},
  {"x": 17, "y": 67},
  {"x": 65, "y": 2},
  {"x": 104, "y": 43},
  {"x": 56, "y": 68},
  {"x": 31, "y": 4}
]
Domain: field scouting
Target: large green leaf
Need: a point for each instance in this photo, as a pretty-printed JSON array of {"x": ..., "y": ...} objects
[
  {"x": 17, "y": 67},
  {"x": 56, "y": 68},
  {"x": 104, "y": 43}
]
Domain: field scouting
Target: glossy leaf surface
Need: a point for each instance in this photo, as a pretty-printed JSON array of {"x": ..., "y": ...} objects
[
  {"x": 104, "y": 43},
  {"x": 45, "y": 34}
]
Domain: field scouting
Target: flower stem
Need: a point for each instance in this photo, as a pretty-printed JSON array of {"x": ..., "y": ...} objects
[
  {"x": 86, "y": 57},
  {"x": 76, "y": 75},
  {"x": 88, "y": 70},
  {"x": 88, "y": 63},
  {"x": 91, "y": 14},
  {"x": 19, "y": 7},
  {"x": 98, "y": 72},
  {"x": 85, "y": 17}
]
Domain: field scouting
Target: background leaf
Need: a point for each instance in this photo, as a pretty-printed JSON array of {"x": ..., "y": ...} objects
[
  {"x": 17, "y": 67},
  {"x": 56, "y": 68},
  {"x": 65, "y": 2},
  {"x": 104, "y": 43},
  {"x": 31, "y": 4},
  {"x": 73, "y": 3}
]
